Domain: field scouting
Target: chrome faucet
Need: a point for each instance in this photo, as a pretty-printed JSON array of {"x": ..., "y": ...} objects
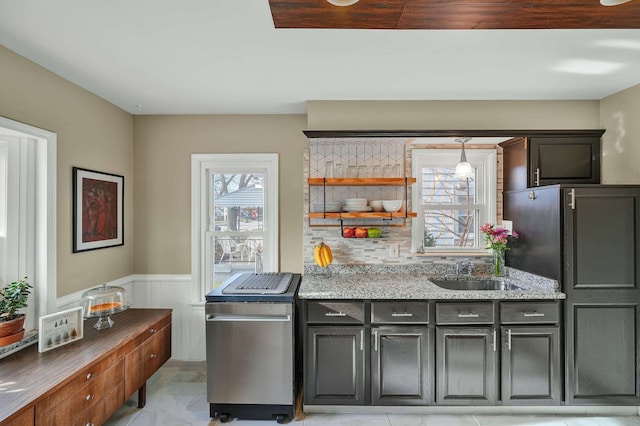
[{"x": 464, "y": 266}]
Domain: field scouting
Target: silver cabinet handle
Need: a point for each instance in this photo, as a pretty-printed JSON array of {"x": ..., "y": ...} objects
[
  {"x": 493, "y": 334},
  {"x": 254, "y": 318},
  {"x": 153, "y": 330},
  {"x": 89, "y": 375},
  {"x": 89, "y": 397},
  {"x": 532, "y": 314},
  {"x": 572, "y": 203},
  {"x": 401, "y": 314},
  {"x": 152, "y": 356},
  {"x": 335, "y": 314},
  {"x": 536, "y": 181},
  {"x": 375, "y": 340},
  {"x": 469, "y": 315},
  {"x": 362, "y": 340},
  {"x": 509, "y": 339}
]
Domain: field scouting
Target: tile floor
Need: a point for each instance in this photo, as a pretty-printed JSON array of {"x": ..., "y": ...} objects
[{"x": 176, "y": 395}]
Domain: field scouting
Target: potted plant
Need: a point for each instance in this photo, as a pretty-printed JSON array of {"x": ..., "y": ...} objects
[{"x": 12, "y": 298}]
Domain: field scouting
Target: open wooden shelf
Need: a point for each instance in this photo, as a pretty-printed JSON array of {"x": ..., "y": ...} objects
[
  {"x": 362, "y": 215},
  {"x": 361, "y": 181}
]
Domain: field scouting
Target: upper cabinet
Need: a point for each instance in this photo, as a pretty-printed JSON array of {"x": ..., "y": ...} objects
[{"x": 571, "y": 157}]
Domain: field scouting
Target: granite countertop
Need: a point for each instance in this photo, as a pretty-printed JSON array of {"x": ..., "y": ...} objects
[{"x": 413, "y": 283}]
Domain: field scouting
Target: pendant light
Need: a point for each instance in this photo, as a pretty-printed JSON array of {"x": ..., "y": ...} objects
[
  {"x": 463, "y": 168},
  {"x": 612, "y": 2}
]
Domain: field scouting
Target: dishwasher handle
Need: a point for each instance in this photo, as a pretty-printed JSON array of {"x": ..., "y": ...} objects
[{"x": 248, "y": 318}]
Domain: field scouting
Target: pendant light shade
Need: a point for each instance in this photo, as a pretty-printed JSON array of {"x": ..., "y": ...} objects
[
  {"x": 463, "y": 168},
  {"x": 612, "y": 2}
]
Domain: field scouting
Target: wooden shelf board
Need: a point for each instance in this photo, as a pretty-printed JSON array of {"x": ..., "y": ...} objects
[
  {"x": 365, "y": 215},
  {"x": 361, "y": 181}
]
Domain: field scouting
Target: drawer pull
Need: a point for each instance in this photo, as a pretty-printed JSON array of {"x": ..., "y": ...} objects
[
  {"x": 152, "y": 356},
  {"x": 362, "y": 340},
  {"x": 89, "y": 424},
  {"x": 375, "y": 340},
  {"x": 469, "y": 315},
  {"x": 153, "y": 330},
  {"x": 89, "y": 376},
  {"x": 532, "y": 314},
  {"x": 89, "y": 397},
  {"x": 401, "y": 314},
  {"x": 335, "y": 314},
  {"x": 494, "y": 336},
  {"x": 509, "y": 339}
]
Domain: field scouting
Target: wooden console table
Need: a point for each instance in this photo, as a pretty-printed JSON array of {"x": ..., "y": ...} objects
[{"x": 86, "y": 381}]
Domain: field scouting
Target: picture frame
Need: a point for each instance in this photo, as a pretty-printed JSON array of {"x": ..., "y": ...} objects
[
  {"x": 60, "y": 329},
  {"x": 98, "y": 210}
]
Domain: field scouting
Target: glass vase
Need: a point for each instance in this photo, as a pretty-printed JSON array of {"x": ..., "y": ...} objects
[{"x": 498, "y": 262}]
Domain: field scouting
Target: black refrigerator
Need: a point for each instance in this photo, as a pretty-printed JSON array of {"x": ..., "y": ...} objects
[{"x": 587, "y": 237}]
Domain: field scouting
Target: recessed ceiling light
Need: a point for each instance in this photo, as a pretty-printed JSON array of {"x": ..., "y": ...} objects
[
  {"x": 342, "y": 2},
  {"x": 588, "y": 67}
]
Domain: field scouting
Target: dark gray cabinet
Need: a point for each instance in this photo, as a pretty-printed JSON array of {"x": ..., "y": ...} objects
[
  {"x": 335, "y": 365},
  {"x": 466, "y": 366},
  {"x": 588, "y": 238},
  {"x": 401, "y": 365},
  {"x": 601, "y": 279},
  {"x": 571, "y": 157},
  {"x": 530, "y": 367}
]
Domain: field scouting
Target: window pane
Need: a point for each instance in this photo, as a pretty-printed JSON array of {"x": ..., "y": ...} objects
[
  {"x": 450, "y": 228},
  {"x": 238, "y": 201},
  {"x": 440, "y": 187},
  {"x": 232, "y": 255}
]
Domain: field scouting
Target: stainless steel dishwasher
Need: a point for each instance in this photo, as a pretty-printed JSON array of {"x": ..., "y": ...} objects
[{"x": 250, "y": 336}]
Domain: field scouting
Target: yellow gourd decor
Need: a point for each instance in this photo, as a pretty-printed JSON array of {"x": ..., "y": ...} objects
[{"x": 322, "y": 255}]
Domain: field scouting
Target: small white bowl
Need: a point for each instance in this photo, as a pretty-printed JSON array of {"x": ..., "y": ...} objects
[
  {"x": 392, "y": 206},
  {"x": 356, "y": 201},
  {"x": 376, "y": 205}
]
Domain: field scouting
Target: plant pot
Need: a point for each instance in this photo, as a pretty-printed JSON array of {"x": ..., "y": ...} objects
[
  {"x": 12, "y": 338},
  {"x": 11, "y": 327}
]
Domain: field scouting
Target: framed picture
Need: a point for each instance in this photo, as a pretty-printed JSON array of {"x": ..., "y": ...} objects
[
  {"x": 98, "y": 210},
  {"x": 60, "y": 329}
]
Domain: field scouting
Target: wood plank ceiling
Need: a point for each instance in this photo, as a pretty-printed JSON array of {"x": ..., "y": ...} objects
[{"x": 456, "y": 14}]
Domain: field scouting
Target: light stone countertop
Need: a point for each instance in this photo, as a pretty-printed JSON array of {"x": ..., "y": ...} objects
[{"x": 354, "y": 283}]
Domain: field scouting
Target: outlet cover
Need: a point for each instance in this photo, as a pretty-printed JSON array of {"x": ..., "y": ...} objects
[
  {"x": 394, "y": 250},
  {"x": 508, "y": 225}
]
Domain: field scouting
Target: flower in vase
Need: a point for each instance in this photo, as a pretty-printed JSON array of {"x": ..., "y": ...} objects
[{"x": 497, "y": 238}]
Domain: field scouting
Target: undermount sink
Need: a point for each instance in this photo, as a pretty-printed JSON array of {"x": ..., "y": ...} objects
[{"x": 473, "y": 284}]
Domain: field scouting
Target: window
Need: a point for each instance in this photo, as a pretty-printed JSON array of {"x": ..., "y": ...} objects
[
  {"x": 450, "y": 211},
  {"x": 28, "y": 213},
  {"x": 235, "y": 216}
]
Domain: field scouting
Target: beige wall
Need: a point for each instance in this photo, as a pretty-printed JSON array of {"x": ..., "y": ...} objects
[
  {"x": 620, "y": 115},
  {"x": 93, "y": 134},
  {"x": 162, "y": 156},
  {"x": 444, "y": 115}
]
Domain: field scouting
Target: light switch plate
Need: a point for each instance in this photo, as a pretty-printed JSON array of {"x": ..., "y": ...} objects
[
  {"x": 508, "y": 225},
  {"x": 394, "y": 250}
]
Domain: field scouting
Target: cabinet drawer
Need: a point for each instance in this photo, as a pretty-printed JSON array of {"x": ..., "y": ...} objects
[
  {"x": 464, "y": 313},
  {"x": 400, "y": 312},
  {"x": 335, "y": 312},
  {"x": 529, "y": 312},
  {"x": 70, "y": 400}
]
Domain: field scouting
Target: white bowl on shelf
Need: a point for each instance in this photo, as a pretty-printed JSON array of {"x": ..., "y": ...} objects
[
  {"x": 329, "y": 206},
  {"x": 391, "y": 206},
  {"x": 376, "y": 205}
]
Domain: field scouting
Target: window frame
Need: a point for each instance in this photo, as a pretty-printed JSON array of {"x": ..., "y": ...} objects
[
  {"x": 203, "y": 167},
  {"x": 484, "y": 160}
]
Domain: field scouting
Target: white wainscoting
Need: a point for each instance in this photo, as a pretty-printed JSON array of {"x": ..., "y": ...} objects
[{"x": 162, "y": 291}]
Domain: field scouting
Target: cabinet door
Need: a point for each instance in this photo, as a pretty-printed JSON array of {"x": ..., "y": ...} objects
[
  {"x": 335, "y": 367},
  {"x": 531, "y": 365},
  {"x": 602, "y": 250},
  {"x": 564, "y": 160},
  {"x": 466, "y": 366},
  {"x": 401, "y": 366}
]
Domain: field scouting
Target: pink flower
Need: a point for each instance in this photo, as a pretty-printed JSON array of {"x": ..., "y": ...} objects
[
  {"x": 497, "y": 237},
  {"x": 514, "y": 234}
]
